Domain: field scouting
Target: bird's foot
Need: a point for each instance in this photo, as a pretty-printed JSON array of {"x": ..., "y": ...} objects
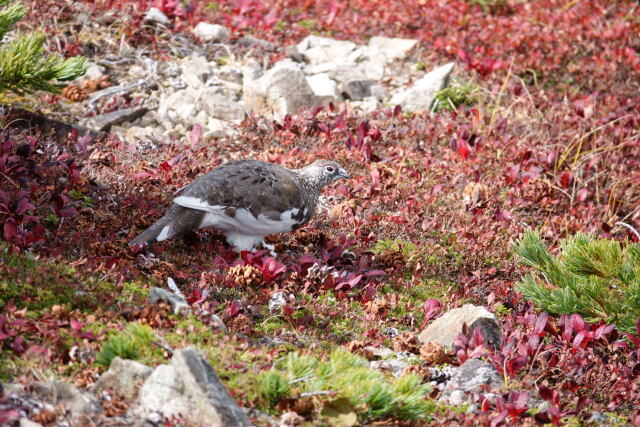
[{"x": 271, "y": 248}]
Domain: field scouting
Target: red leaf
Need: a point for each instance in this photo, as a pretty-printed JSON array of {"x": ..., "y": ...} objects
[
  {"x": 67, "y": 212},
  {"x": 23, "y": 206},
  {"x": 582, "y": 195},
  {"x": 541, "y": 323},
  {"x": 463, "y": 148},
  {"x": 565, "y": 179},
  {"x": 195, "y": 135},
  {"x": 271, "y": 268},
  {"x": 374, "y": 273},
  {"x": 75, "y": 325},
  {"x": 578, "y": 323},
  {"x": 10, "y": 229},
  {"x": 234, "y": 308},
  {"x": 430, "y": 308},
  {"x": 288, "y": 310}
]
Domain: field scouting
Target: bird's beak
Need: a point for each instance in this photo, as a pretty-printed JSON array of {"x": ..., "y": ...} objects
[{"x": 343, "y": 173}]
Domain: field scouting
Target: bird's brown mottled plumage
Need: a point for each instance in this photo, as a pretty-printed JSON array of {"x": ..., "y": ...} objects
[{"x": 246, "y": 200}]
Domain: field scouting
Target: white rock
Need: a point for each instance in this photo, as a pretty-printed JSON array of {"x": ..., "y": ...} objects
[
  {"x": 420, "y": 96},
  {"x": 280, "y": 91},
  {"x": 250, "y": 72},
  {"x": 155, "y": 15},
  {"x": 317, "y": 50},
  {"x": 211, "y": 32},
  {"x": 216, "y": 128},
  {"x": 195, "y": 71},
  {"x": 324, "y": 87},
  {"x": 392, "y": 48}
]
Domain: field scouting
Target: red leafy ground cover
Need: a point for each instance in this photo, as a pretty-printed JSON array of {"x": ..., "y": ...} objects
[{"x": 554, "y": 144}]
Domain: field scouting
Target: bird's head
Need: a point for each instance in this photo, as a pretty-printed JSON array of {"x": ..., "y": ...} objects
[{"x": 323, "y": 172}]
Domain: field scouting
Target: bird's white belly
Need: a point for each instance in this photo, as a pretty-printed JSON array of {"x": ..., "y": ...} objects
[{"x": 242, "y": 222}]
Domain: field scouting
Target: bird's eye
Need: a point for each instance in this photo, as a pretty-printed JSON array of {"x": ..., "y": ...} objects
[{"x": 330, "y": 169}]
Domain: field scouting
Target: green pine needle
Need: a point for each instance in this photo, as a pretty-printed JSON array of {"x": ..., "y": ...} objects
[
  {"x": 595, "y": 278},
  {"x": 23, "y": 66}
]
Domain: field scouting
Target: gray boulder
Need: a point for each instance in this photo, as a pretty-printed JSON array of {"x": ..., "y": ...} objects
[
  {"x": 280, "y": 91},
  {"x": 124, "y": 377},
  {"x": 420, "y": 96},
  {"x": 188, "y": 388},
  {"x": 156, "y": 16},
  {"x": 445, "y": 328},
  {"x": 471, "y": 378},
  {"x": 176, "y": 302},
  {"x": 103, "y": 122},
  {"x": 356, "y": 89}
]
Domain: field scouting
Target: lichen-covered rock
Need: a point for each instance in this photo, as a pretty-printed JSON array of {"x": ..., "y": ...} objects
[
  {"x": 124, "y": 377},
  {"x": 470, "y": 378},
  {"x": 445, "y": 328},
  {"x": 188, "y": 388}
]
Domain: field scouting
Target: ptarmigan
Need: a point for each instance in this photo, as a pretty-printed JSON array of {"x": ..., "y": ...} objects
[{"x": 246, "y": 200}]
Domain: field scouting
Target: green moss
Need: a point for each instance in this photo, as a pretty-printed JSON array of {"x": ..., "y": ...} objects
[
  {"x": 37, "y": 285},
  {"x": 308, "y": 24},
  {"x": 133, "y": 292},
  {"x": 408, "y": 249}
]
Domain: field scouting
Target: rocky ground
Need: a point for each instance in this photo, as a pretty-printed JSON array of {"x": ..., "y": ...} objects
[{"x": 397, "y": 304}]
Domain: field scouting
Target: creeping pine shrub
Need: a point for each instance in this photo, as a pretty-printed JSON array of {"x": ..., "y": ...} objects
[
  {"x": 131, "y": 343},
  {"x": 596, "y": 278},
  {"x": 459, "y": 93},
  {"x": 23, "y": 67},
  {"x": 348, "y": 377}
]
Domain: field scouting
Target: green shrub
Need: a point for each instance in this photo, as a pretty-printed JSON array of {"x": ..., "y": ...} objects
[
  {"x": 345, "y": 377},
  {"x": 459, "y": 93},
  {"x": 131, "y": 343},
  {"x": 23, "y": 67},
  {"x": 273, "y": 386},
  {"x": 596, "y": 278}
]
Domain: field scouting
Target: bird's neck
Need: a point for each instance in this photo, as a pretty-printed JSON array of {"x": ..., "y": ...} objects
[{"x": 309, "y": 182}]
